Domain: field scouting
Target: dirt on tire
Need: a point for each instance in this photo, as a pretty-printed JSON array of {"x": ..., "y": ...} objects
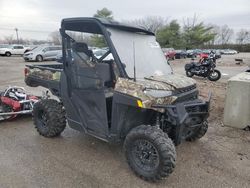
[
  {"x": 165, "y": 149},
  {"x": 49, "y": 118}
]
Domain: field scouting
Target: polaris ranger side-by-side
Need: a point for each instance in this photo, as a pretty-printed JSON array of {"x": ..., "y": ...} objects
[{"x": 134, "y": 98}]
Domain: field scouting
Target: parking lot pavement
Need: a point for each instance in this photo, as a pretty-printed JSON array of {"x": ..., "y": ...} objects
[{"x": 220, "y": 159}]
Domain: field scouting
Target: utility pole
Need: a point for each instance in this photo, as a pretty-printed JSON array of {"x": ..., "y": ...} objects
[{"x": 17, "y": 35}]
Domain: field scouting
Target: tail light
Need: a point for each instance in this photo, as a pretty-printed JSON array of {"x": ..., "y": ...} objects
[{"x": 26, "y": 71}]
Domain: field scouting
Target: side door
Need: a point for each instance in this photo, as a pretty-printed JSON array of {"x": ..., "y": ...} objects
[
  {"x": 83, "y": 95},
  {"x": 14, "y": 50},
  {"x": 47, "y": 52},
  {"x": 20, "y": 50},
  {"x": 55, "y": 52}
]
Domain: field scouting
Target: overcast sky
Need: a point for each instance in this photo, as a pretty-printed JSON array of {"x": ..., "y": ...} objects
[{"x": 37, "y": 18}]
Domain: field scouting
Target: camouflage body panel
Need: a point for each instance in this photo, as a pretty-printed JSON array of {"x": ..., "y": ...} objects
[
  {"x": 175, "y": 80},
  {"x": 45, "y": 74},
  {"x": 136, "y": 89}
]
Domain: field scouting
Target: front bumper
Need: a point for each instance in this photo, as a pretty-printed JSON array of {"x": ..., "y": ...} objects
[
  {"x": 186, "y": 115},
  {"x": 28, "y": 58}
]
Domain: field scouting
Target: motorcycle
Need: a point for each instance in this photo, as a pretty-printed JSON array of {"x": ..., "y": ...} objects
[
  {"x": 15, "y": 101},
  {"x": 205, "y": 68}
]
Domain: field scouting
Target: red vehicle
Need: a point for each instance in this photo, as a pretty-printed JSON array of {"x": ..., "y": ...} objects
[
  {"x": 203, "y": 56},
  {"x": 14, "y": 101},
  {"x": 169, "y": 53}
]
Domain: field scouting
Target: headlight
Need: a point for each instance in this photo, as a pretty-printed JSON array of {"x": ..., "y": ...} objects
[
  {"x": 158, "y": 93},
  {"x": 29, "y": 54}
]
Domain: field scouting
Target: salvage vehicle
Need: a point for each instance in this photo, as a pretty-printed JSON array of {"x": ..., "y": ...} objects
[
  {"x": 42, "y": 53},
  {"x": 134, "y": 99},
  {"x": 15, "y": 101}
]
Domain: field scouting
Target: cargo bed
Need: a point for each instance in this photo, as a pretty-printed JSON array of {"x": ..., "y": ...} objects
[{"x": 45, "y": 75}]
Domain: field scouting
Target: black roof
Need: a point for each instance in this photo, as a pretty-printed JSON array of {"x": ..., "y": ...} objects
[{"x": 91, "y": 26}]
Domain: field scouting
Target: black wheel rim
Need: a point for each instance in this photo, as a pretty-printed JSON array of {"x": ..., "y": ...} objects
[{"x": 145, "y": 155}]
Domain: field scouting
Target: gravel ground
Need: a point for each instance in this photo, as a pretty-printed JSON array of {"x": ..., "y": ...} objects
[{"x": 220, "y": 159}]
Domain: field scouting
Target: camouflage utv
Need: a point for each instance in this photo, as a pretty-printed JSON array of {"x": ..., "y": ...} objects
[{"x": 134, "y": 98}]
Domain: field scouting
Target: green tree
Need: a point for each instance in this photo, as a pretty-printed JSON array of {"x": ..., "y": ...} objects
[
  {"x": 98, "y": 40},
  {"x": 104, "y": 13},
  {"x": 170, "y": 35},
  {"x": 197, "y": 34}
]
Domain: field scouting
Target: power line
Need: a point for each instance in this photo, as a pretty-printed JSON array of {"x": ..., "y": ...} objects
[{"x": 26, "y": 30}]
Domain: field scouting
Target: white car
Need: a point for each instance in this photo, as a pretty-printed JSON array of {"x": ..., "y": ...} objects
[
  {"x": 42, "y": 53},
  {"x": 13, "y": 50},
  {"x": 98, "y": 53},
  {"x": 229, "y": 52}
]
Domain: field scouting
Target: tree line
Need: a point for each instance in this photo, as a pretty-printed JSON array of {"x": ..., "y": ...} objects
[{"x": 192, "y": 33}]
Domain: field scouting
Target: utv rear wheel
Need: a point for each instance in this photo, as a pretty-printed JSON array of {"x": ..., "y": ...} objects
[
  {"x": 150, "y": 153},
  {"x": 189, "y": 74},
  {"x": 49, "y": 118},
  {"x": 198, "y": 133}
]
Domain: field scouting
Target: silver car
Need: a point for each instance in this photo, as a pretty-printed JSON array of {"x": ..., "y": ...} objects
[{"x": 42, "y": 53}]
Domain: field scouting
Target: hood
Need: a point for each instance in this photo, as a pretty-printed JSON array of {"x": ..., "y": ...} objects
[
  {"x": 167, "y": 83},
  {"x": 171, "y": 81}
]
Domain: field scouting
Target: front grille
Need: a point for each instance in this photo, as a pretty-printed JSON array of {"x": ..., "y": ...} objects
[
  {"x": 186, "y": 94},
  {"x": 185, "y": 89},
  {"x": 193, "y": 109}
]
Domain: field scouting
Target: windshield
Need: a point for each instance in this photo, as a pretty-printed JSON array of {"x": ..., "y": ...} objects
[
  {"x": 141, "y": 49},
  {"x": 39, "y": 48}
]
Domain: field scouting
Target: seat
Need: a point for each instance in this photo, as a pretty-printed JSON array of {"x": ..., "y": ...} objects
[
  {"x": 103, "y": 71},
  {"x": 80, "y": 50}
]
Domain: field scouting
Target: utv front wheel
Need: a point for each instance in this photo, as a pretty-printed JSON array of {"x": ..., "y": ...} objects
[
  {"x": 198, "y": 133},
  {"x": 150, "y": 153},
  {"x": 49, "y": 118}
]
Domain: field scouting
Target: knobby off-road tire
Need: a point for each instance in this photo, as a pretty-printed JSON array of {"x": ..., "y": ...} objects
[
  {"x": 49, "y": 118},
  {"x": 28, "y": 82},
  {"x": 150, "y": 153},
  {"x": 198, "y": 133}
]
